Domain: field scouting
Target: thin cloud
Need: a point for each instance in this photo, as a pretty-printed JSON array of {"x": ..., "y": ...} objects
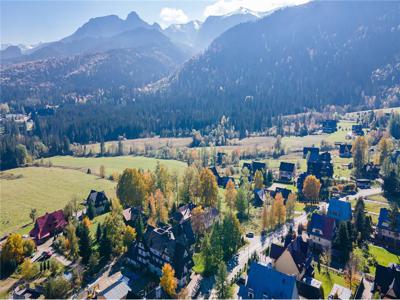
[
  {"x": 170, "y": 15},
  {"x": 223, "y": 7}
]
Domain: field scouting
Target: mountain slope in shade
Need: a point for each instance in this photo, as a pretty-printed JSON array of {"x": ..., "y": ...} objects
[
  {"x": 199, "y": 35},
  {"x": 10, "y": 52},
  {"x": 307, "y": 56}
]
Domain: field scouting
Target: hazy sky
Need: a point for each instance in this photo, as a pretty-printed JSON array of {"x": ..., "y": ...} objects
[{"x": 33, "y": 21}]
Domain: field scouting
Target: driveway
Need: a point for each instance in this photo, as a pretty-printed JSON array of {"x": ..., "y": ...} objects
[{"x": 363, "y": 193}]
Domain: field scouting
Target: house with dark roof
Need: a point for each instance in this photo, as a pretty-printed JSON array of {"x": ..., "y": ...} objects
[
  {"x": 165, "y": 244},
  {"x": 357, "y": 130},
  {"x": 260, "y": 196},
  {"x": 310, "y": 151},
  {"x": 183, "y": 213},
  {"x": 363, "y": 183},
  {"x": 339, "y": 210},
  {"x": 48, "y": 225},
  {"x": 220, "y": 158},
  {"x": 264, "y": 282},
  {"x": 387, "y": 281},
  {"x": 222, "y": 181},
  {"x": 321, "y": 231},
  {"x": 371, "y": 171},
  {"x": 99, "y": 201},
  {"x": 287, "y": 171},
  {"x": 320, "y": 165},
  {"x": 329, "y": 126},
  {"x": 387, "y": 231},
  {"x": 345, "y": 150},
  {"x": 276, "y": 188},
  {"x": 295, "y": 259},
  {"x": 131, "y": 214},
  {"x": 310, "y": 288}
]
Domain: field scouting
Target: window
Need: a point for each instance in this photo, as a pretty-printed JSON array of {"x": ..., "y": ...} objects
[{"x": 250, "y": 293}]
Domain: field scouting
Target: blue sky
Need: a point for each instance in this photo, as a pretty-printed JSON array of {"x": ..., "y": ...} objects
[{"x": 33, "y": 21}]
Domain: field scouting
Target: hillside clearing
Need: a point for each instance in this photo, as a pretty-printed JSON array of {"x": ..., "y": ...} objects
[{"x": 46, "y": 189}]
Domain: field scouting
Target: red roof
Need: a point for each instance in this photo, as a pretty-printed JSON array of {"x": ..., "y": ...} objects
[{"x": 48, "y": 224}]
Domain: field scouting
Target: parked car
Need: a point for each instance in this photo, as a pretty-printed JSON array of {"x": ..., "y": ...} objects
[{"x": 250, "y": 235}]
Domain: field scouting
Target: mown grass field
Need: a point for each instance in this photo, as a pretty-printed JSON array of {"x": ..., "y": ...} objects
[
  {"x": 46, "y": 189},
  {"x": 114, "y": 164}
]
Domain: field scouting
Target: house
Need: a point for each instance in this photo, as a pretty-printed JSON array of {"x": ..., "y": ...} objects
[
  {"x": 309, "y": 288},
  {"x": 264, "y": 282},
  {"x": 363, "y": 290},
  {"x": 339, "y": 210},
  {"x": 294, "y": 260},
  {"x": 363, "y": 183},
  {"x": 276, "y": 188},
  {"x": 386, "y": 233},
  {"x": 221, "y": 180},
  {"x": 357, "y": 130},
  {"x": 329, "y": 126},
  {"x": 320, "y": 165},
  {"x": 48, "y": 225},
  {"x": 321, "y": 230},
  {"x": 311, "y": 150},
  {"x": 345, "y": 150},
  {"x": 371, "y": 171},
  {"x": 117, "y": 290},
  {"x": 210, "y": 216},
  {"x": 220, "y": 158},
  {"x": 131, "y": 214},
  {"x": 183, "y": 213},
  {"x": 165, "y": 244},
  {"x": 255, "y": 166},
  {"x": 287, "y": 171},
  {"x": 339, "y": 292},
  {"x": 260, "y": 196},
  {"x": 99, "y": 202},
  {"x": 387, "y": 281}
]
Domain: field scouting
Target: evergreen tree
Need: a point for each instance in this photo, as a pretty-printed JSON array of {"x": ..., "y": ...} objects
[
  {"x": 85, "y": 244},
  {"x": 241, "y": 204},
  {"x": 105, "y": 245},
  {"x": 90, "y": 211},
  {"x": 221, "y": 282},
  {"x": 342, "y": 242},
  {"x": 98, "y": 233}
]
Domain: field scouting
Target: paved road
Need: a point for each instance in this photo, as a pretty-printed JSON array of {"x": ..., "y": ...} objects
[
  {"x": 257, "y": 244},
  {"x": 363, "y": 193}
]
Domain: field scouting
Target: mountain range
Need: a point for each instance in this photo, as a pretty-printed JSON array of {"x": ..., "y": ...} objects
[
  {"x": 106, "y": 52},
  {"x": 290, "y": 60}
]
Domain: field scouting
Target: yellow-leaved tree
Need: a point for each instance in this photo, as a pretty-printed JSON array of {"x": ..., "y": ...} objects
[
  {"x": 168, "y": 282},
  {"x": 311, "y": 188},
  {"x": 230, "y": 195}
]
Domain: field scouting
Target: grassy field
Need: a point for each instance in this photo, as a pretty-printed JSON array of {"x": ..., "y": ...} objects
[
  {"x": 46, "y": 189},
  {"x": 114, "y": 164},
  {"x": 370, "y": 206},
  {"x": 382, "y": 256},
  {"x": 328, "y": 280}
]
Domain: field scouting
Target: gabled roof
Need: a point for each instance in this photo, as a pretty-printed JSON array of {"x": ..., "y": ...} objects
[
  {"x": 268, "y": 283},
  {"x": 132, "y": 213},
  {"x": 310, "y": 149},
  {"x": 96, "y": 198},
  {"x": 183, "y": 212},
  {"x": 285, "y": 166},
  {"x": 384, "y": 221},
  {"x": 322, "y": 226},
  {"x": 339, "y": 291},
  {"x": 117, "y": 290},
  {"x": 343, "y": 148},
  {"x": 339, "y": 210},
  {"x": 298, "y": 249},
  {"x": 276, "y": 251},
  {"x": 46, "y": 225}
]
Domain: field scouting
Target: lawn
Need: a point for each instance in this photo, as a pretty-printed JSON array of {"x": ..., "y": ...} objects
[
  {"x": 328, "y": 280},
  {"x": 340, "y": 135},
  {"x": 114, "y": 164},
  {"x": 378, "y": 198},
  {"x": 340, "y": 166},
  {"x": 371, "y": 207},
  {"x": 382, "y": 256},
  {"x": 46, "y": 189}
]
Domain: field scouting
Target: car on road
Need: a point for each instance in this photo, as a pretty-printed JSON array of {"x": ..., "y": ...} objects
[{"x": 250, "y": 235}]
